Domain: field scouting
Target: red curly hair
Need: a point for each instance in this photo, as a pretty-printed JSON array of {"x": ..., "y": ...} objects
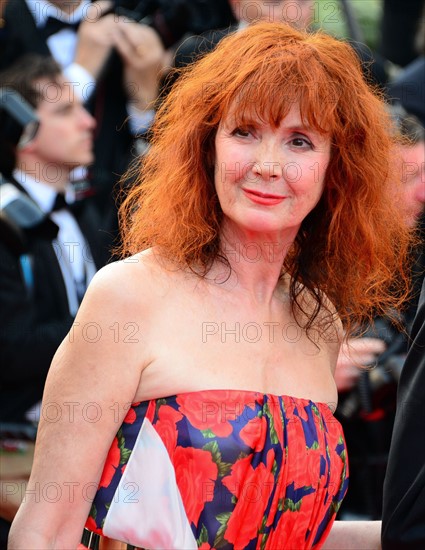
[{"x": 353, "y": 247}]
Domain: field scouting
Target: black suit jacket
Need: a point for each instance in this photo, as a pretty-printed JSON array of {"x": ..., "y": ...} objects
[
  {"x": 113, "y": 139},
  {"x": 403, "y": 518},
  {"x": 33, "y": 323}
]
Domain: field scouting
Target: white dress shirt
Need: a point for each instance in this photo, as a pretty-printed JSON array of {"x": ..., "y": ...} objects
[
  {"x": 70, "y": 246},
  {"x": 64, "y": 43}
]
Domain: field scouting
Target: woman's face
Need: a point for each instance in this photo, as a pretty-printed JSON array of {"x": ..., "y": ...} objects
[{"x": 268, "y": 180}]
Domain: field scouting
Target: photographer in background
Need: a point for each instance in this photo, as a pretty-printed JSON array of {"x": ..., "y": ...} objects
[
  {"x": 368, "y": 397},
  {"x": 46, "y": 264}
]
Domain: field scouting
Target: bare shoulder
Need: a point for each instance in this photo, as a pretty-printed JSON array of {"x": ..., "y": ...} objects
[
  {"x": 123, "y": 300},
  {"x": 115, "y": 277},
  {"x": 109, "y": 328},
  {"x": 125, "y": 285}
]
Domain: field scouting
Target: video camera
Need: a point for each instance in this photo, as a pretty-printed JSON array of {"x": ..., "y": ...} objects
[
  {"x": 18, "y": 125},
  {"x": 18, "y": 122}
]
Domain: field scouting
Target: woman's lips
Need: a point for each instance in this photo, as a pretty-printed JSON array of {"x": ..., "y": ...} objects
[{"x": 267, "y": 199}]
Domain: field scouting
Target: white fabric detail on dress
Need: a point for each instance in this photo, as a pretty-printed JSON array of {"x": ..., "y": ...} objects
[{"x": 147, "y": 510}]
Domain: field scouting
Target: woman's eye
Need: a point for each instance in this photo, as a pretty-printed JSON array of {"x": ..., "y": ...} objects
[
  {"x": 299, "y": 142},
  {"x": 241, "y": 132}
]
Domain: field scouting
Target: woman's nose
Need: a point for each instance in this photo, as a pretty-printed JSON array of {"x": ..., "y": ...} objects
[
  {"x": 268, "y": 170},
  {"x": 267, "y": 163}
]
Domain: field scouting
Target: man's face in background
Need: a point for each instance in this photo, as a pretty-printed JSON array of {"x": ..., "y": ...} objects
[
  {"x": 413, "y": 178},
  {"x": 299, "y": 13},
  {"x": 65, "y": 135}
]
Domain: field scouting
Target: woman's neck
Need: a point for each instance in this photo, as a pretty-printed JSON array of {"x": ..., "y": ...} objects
[{"x": 256, "y": 263}]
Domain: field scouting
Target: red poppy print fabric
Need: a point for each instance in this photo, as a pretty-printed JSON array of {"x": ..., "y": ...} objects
[{"x": 253, "y": 470}]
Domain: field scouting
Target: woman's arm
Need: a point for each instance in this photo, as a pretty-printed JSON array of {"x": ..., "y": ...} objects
[
  {"x": 354, "y": 535},
  {"x": 93, "y": 379}
]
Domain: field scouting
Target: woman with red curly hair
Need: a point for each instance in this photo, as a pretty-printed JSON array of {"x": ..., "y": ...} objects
[{"x": 194, "y": 395}]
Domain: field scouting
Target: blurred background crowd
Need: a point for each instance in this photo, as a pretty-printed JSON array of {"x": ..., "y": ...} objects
[{"x": 80, "y": 82}]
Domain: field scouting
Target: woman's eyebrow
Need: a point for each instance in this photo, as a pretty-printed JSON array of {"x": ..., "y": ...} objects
[{"x": 300, "y": 128}]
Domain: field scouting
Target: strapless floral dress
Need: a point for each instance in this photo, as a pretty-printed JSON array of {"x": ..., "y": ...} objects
[{"x": 221, "y": 469}]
